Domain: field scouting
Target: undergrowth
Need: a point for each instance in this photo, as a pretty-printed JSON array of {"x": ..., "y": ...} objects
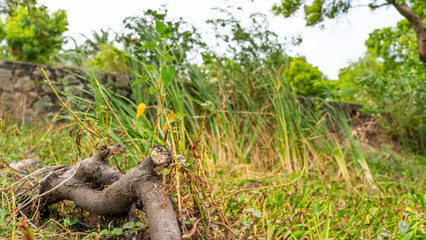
[{"x": 317, "y": 206}]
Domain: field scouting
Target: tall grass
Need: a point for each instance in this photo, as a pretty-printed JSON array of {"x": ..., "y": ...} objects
[{"x": 256, "y": 119}]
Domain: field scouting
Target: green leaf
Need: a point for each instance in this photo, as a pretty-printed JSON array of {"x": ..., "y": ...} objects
[
  {"x": 167, "y": 73},
  {"x": 160, "y": 27},
  {"x": 150, "y": 45},
  {"x": 299, "y": 234},
  {"x": 139, "y": 225},
  {"x": 152, "y": 90},
  {"x": 408, "y": 236},
  {"x": 317, "y": 210},
  {"x": 250, "y": 210},
  {"x": 73, "y": 221},
  {"x": 117, "y": 231},
  {"x": 150, "y": 67},
  {"x": 128, "y": 225},
  {"x": 403, "y": 226},
  {"x": 385, "y": 234},
  {"x": 170, "y": 58},
  {"x": 141, "y": 80},
  {"x": 104, "y": 232}
]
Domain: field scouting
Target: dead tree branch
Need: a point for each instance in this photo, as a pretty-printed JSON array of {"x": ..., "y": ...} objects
[{"x": 97, "y": 187}]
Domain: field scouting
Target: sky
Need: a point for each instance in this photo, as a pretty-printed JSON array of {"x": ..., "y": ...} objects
[{"x": 330, "y": 49}]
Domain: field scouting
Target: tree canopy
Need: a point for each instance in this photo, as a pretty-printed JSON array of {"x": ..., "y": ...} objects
[{"x": 315, "y": 12}]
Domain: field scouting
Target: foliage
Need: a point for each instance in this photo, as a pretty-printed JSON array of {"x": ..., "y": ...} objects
[
  {"x": 396, "y": 95},
  {"x": 390, "y": 81},
  {"x": 141, "y": 30},
  {"x": 92, "y": 45},
  {"x": 259, "y": 161},
  {"x": 316, "y": 11},
  {"x": 316, "y": 207},
  {"x": 32, "y": 34},
  {"x": 244, "y": 43},
  {"x": 306, "y": 79},
  {"x": 109, "y": 59},
  {"x": 393, "y": 44}
]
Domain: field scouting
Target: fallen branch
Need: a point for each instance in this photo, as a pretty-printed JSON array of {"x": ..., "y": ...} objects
[{"x": 102, "y": 190}]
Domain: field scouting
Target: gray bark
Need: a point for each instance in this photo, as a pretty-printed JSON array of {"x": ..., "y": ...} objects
[{"x": 141, "y": 185}]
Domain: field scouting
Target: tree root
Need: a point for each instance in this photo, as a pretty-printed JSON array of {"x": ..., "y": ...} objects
[{"x": 97, "y": 187}]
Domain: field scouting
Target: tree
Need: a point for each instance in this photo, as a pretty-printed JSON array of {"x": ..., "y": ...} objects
[
  {"x": 315, "y": 13},
  {"x": 30, "y": 32},
  {"x": 306, "y": 79},
  {"x": 390, "y": 81},
  {"x": 140, "y": 30}
]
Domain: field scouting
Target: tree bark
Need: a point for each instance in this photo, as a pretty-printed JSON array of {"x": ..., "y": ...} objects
[
  {"x": 417, "y": 23},
  {"x": 142, "y": 185}
]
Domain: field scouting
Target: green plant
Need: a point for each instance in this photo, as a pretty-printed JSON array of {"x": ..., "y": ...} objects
[
  {"x": 396, "y": 96},
  {"x": 109, "y": 59},
  {"x": 140, "y": 30},
  {"x": 315, "y": 13},
  {"x": 31, "y": 33},
  {"x": 304, "y": 78}
]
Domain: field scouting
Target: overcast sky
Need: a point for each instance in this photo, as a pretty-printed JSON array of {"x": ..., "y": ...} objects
[{"x": 330, "y": 49}]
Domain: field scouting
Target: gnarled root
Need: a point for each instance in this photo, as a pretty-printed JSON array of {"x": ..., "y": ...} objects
[{"x": 142, "y": 185}]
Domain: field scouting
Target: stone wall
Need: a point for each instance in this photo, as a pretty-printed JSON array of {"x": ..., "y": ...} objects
[{"x": 25, "y": 95}]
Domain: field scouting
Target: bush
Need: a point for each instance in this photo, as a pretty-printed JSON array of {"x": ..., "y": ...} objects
[
  {"x": 32, "y": 34},
  {"x": 396, "y": 96}
]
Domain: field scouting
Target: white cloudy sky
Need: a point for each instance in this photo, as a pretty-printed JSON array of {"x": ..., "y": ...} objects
[{"x": 329, "y": 49}]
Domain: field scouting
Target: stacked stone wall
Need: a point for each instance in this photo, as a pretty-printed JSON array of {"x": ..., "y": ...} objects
[{"x": 25, "y": 94}]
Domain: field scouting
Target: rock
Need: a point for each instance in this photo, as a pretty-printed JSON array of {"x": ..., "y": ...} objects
[
  {"x": 24, "y": 83},
  {"x": 5, "y": 80},
  {"x": 121, "y": 81},
  {"x": 29, "y": 115},
  {"x": 6, "y": 96},
  {"x": 122, "y": 92},
  {"x": 40, "y": 74},
  {"x": 44, "y": 103},
  {"x": 46, "y": 88},
  {"x": 32, "y": 95},
  {"x": 71, "y": 79},
  {"x": 74, "y": 90},
  {"x": 18, "y": 98},
  {"x": 26, "y": 165}
]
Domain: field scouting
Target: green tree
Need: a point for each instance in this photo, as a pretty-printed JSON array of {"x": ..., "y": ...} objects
[
  {"x": 250, "y": 48},
  {"x": 31, "y": 33},
  {"x": 318, "y": 10},
  {"x": 109, "y": 59},
  {"x": 141, "y": 30},
  {"x": 306, "y": 79},
  {"x": 390, "y": 82},
  {"x": 394, "y": 45},
  {"x": 245, "y": 44}
]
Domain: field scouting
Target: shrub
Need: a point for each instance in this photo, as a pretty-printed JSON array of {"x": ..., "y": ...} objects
[{"x": 32, "y": 34}]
